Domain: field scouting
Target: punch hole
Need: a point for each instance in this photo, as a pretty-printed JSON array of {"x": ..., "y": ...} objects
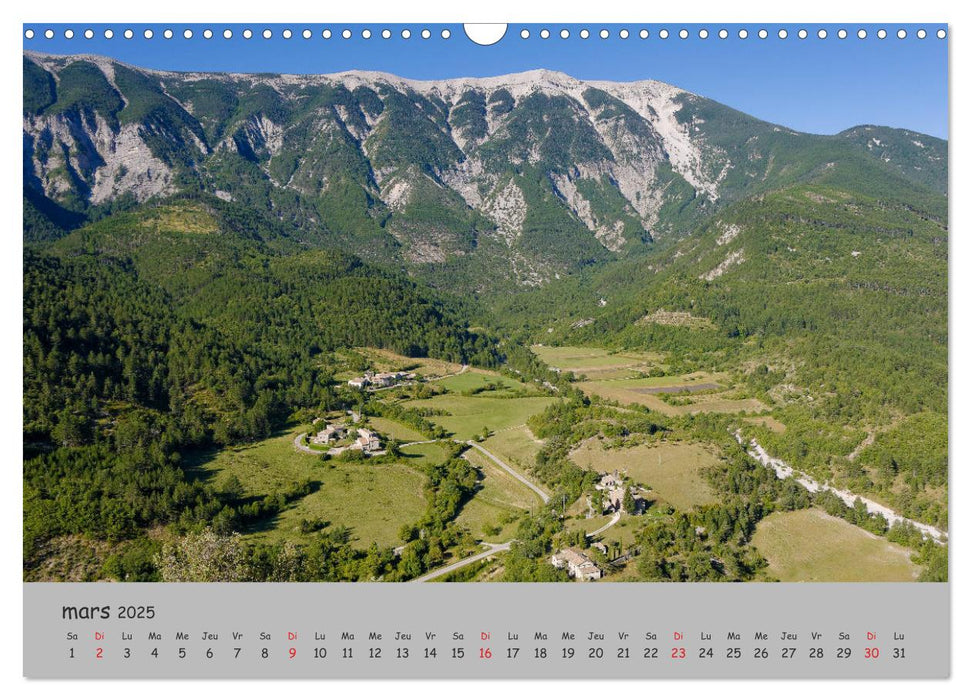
[{"x": 487, "y": 34}]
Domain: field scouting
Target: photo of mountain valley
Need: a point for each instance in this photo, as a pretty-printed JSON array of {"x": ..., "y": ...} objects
[{"x": 349, "y": 325}]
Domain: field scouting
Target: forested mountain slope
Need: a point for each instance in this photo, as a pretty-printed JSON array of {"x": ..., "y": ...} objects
[
  {"x": 830, "y": 303},
  {"x": 174, "y": 327}
]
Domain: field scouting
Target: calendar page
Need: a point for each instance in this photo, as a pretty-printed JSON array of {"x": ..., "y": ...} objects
[{"x": 571, "y": 351}]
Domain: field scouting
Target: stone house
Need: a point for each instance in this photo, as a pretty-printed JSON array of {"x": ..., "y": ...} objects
[{"x": 577, "y": 564}]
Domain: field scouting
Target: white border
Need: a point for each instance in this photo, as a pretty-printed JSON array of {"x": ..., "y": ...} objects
[{"x": 707, "y": 11}]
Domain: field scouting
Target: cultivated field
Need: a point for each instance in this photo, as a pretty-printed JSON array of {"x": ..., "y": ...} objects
[
  {"x": 587, "y": 360},
  {"x": 467, "y": 415},
  {"x": 671, "y": 470},
  {"x": 695, "y": 381},
  {"x": 645, "y": 391},
  {"x": 809, "y": 545},
  {"x": 619, "y": 376}
]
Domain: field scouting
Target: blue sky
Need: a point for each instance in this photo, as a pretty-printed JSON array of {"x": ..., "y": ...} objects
[{"x": 815, "y": 85}]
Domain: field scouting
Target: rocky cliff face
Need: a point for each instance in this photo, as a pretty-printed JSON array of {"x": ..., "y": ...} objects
[
  {"x": 79, "y": 156},
  {"x": 521, "y": 177}
]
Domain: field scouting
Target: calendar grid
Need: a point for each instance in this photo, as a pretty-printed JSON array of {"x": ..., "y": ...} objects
[{"x": 486, "y": 631}]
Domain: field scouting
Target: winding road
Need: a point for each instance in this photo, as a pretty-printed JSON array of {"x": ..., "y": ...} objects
[
  {"x": 492, "y": 549},
  {"x": 539, "y": 492},
  {"x": 298, "y": 443},
  {"x": 613, "y": 521}
]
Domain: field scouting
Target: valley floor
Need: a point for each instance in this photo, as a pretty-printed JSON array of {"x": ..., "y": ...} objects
[
  {"x": 489, "y": 413},
  {"x": 673, "y": 477}
]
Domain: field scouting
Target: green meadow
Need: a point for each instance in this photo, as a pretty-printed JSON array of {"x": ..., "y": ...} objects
[
  {"x": 671, "y": 470},
  {"x": 372, "y": 499},
  {"x": 809, "y": 545}
]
